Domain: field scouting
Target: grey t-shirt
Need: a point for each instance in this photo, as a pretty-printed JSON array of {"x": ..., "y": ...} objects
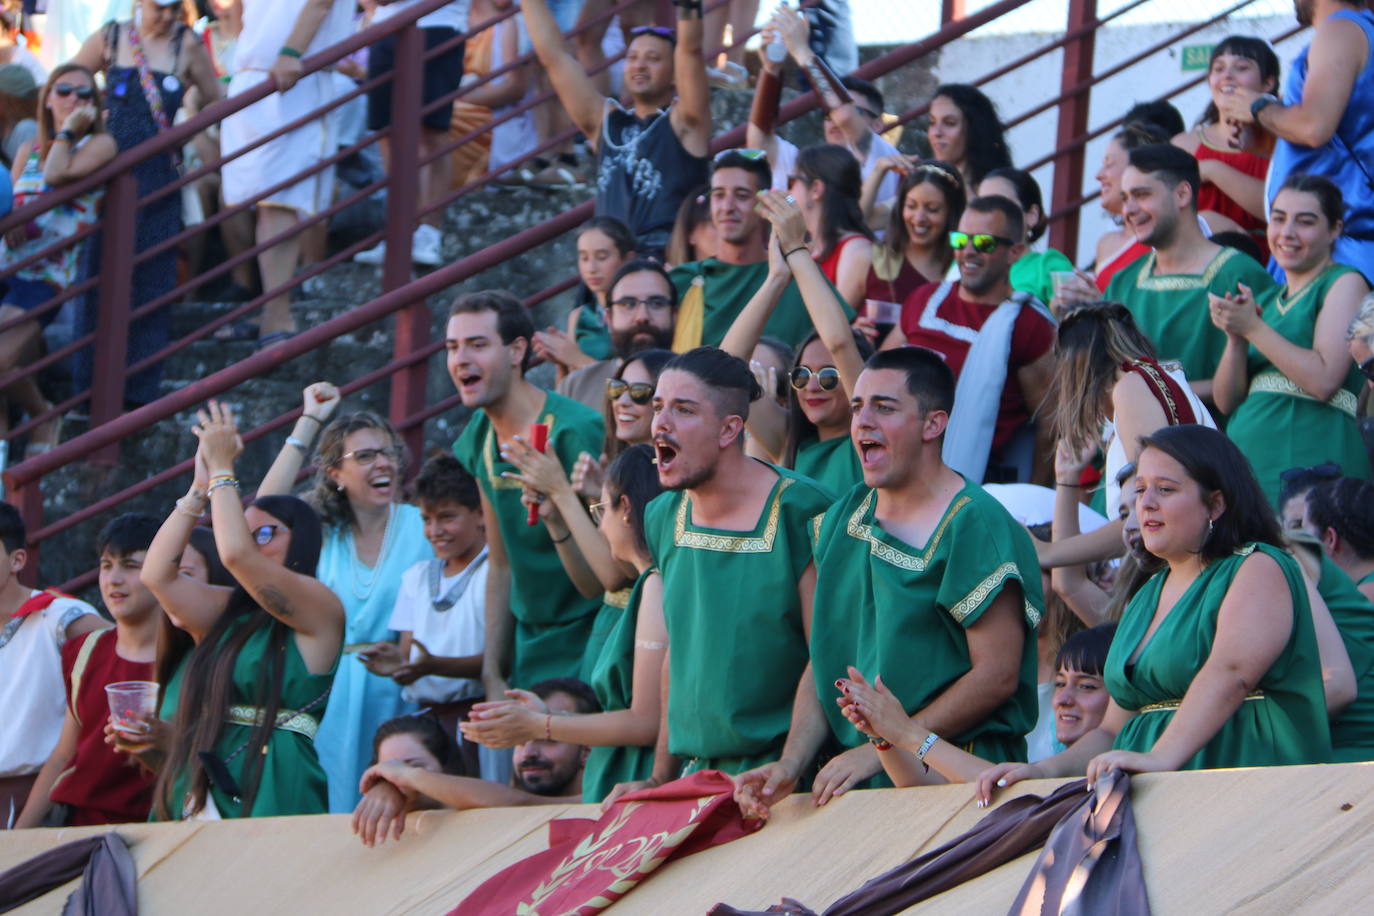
[{"x": 22, "y": 133}]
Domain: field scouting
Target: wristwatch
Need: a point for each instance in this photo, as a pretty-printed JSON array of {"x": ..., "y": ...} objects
[{"x": 1260, "y": 103}]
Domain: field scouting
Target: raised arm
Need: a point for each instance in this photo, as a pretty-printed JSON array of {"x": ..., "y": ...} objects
[
  {"x": 767, "y": 423},
  {"x": 302, "y": 602},
  {"x": 499, "y": 623},
  {"x": 321, "y": 400},
  {"x": 834, "y": 98},
  {"x": 1081, "y": 594},
  {"x": 575, "y": 89},
  {"x": 691, "y": 116},
  {"x": 760, "y": 132}
]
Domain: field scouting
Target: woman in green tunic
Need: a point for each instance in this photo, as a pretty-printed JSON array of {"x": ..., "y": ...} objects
[
  {"x": 1216, "y": 661},
  {"x": 246, "y": 702},
  {"x": 626, "y": 673},
  {"x": 1287, "y": 369}
]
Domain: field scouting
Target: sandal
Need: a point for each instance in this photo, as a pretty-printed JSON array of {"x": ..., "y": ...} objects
[{"x": 241, "y": 329}]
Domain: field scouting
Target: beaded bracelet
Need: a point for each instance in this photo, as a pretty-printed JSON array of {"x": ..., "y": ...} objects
[{"x": 222, "y": 481}]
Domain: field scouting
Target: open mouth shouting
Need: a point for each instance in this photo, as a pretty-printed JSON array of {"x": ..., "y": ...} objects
[
  {"x": 665, "y": 453},
  {"x": 871, "y": 451}
]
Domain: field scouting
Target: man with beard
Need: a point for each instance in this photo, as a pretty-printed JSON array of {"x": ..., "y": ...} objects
[
  {"x": 731, "y": 542},
  {"x": 998, "y": 342},
  {"x": 648, "y": 157},
  {"x": 948, "y": 625},
  {"x": 1166, "y": 291},
  {"x": 640, "y": 317},
  {"x": 536, "y": 621},
  {"x": 1325, "y": 123},
  {"x": 546, "y": 773},
  {"x": 712, "y": 293}
]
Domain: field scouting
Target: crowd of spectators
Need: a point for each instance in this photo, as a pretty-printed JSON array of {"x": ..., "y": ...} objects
[{"x": 861, "y": 486}]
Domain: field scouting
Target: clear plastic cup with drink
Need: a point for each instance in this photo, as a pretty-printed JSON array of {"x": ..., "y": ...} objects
[{"x": 132, "y": 704}]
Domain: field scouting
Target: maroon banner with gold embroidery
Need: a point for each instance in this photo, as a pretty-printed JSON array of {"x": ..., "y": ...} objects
[{"x": 591, "y": 864}]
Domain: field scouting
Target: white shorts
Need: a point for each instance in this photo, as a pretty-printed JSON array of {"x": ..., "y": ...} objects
[{"x": 261, "y": 168}]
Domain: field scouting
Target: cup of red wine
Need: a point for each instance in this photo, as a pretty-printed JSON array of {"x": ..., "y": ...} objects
[{"x": 883, "y": 314}]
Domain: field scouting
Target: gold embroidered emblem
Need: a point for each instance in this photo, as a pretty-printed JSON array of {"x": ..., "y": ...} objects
[{"x": 727, "y": 543}]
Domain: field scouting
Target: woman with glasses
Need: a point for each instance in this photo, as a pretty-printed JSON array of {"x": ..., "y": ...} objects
[
  {"x": 628, "y": 414},
  {"x": 628, "y": 661},
  {"x": 915, "y": 251},
  {"x": 245, "y": 704},
  {"x": 826, "y": 183},
  {"x": 71, "y": 144},
  {"x": 370, "y": 538},
  {"x": 1286, "y": 366}
]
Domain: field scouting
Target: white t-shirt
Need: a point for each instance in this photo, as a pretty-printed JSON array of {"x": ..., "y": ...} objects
[
  {"x": 786, "y": 164},
  {"x": 449, "y": 16},
  {"x": 460, "y": 630},
  {"x": 33, "y": 696},
  {"x": 267, "y": 25}
]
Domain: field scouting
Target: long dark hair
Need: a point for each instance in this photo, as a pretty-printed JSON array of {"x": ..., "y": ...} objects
[
  {"x": 950, "y": 183},
  {"x": 1255, "y": 49},
  {"x": 632, "y": 474},
  {"x": 1027, "y": 195},
  {"x": 207, "y": 684},
  {"x": 1218, "y": 466},
  {"x": 799, "y": 428},
  {"x": 654, "y": 361},
  {"x": 174, "y": 643},
  {"x": 985, "y": 143},
  {"x": 836, "y": 168},
  {"x": 1091, "y": 343}
]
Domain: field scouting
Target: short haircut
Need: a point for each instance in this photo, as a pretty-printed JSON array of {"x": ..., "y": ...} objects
[
  {"x": 996, "y": 203},
  {"x": 1347, "y": 506},
  {"x": 584, "y": 698},
  {"x": 1328, "y": 195},
  {"x": 640, "y": 266},
  {"x": 443, "y": 479},
  {"x": 1160, "y": 114},
  {"x": 759, "y": 168},
  {"x": 13, "y": 534},
  {"x": 1086, "y": 650},
  {"x": 127, "y": 534},
  {"x": 512, "y": 319},
  {"x": 1027, "y": 195},
  {"x": 871, "y": 93},
  {"x": 927, "y": 375},
  {"x": 733, "y": 387},
  {"x": 1170, "y": 165},
  {"x": 616, "y": 230}
]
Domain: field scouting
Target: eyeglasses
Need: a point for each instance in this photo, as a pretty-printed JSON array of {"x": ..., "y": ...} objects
[
  {"x": 82, "y": 92},
  {"x": 597, "y": 511},
  {"x": 640, "y": 392},
  {"x": 982, "y": 241},
  {"x": 367, "y": 456},
  {"x": 661, "y": 31},
  {"x": 1327, "y": 470},
  {"x": 652, "y": 303},
  {"x": 751, "y": 154},
  {"x": 828, "y": 377},
  {"x": 263, "y": 534}
]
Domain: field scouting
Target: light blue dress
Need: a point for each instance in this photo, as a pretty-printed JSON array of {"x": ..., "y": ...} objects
[{"x": 361, "y": 701}]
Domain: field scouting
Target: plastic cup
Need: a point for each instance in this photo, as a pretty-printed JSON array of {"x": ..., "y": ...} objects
[
  {"x": 882, "y": 312},
  {"x": 1064, "y": 282},
  {"x": 132, "y": 703}
]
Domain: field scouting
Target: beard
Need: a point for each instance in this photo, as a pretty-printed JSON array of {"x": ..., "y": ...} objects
[
  {"x": 639, "y": 338},
  {"x": 1163, "y": 231},
  {"x": 551, "y": 783}
]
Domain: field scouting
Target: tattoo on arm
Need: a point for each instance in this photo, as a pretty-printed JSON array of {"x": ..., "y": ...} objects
[{"x": 275, "y": 601}]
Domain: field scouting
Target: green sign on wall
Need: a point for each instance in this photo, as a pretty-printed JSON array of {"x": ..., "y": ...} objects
[{"x": 1196, "y": 57}]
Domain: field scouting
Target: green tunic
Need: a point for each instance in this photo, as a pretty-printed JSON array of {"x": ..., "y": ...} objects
[
  {"x": 1313, "y": 431},
  {"x": 552, "y": 620},
  {"x": 1352, "y": 731},
  {"x": 612, "y": 677},
  {"x": 729, "y": 287},
  {"x": 611, "y": 611},
  {"x": 1286, "y": 725},
  {"x": 736, "y": 647},
  {"x": 591, "y": 334},
  {"x": 1031, "y": 272},
  {"x": 833, "y": 463},
  {"x": 889, "y": 608},
  {"x": 292, "y": 781},
  {"x": 1172, "y": 309}
]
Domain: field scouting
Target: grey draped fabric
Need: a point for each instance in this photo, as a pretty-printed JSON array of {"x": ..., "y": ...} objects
[
  {"x": 1091, "y": 858},
  {"x": 108, "y": 885}
]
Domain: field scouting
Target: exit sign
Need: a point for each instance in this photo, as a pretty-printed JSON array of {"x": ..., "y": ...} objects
[{"x": 1196, "y": 57}]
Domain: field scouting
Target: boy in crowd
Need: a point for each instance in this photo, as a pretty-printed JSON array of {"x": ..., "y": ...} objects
[
  {"x": 440, "y": 608},
  {"x": 34, "y": 625},
  {"x": 97, "y": 784}
]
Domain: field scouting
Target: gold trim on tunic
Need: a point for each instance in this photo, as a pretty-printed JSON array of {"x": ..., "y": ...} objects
[
  {"x": 1177, "y": 282},
  {"x": 895, "y": 556},
  {"x": 287, "y": 720},
  {"x": 974, "y": 599},
  {"x": 1166, "y": 705},
  {"x": 1275, "y": 382},
  {"x": 729, "y": 543},
  {"x": 620, "y": 598}
]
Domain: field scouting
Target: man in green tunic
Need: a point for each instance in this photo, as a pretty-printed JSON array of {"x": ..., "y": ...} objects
[
  {"x": 711, "y": 293},
  {"x": 731, "y": 543},
  {"x": 922, "y": 578},
  {"x": 536, "y": 621},
  {"x": 1167, "y": 289}
]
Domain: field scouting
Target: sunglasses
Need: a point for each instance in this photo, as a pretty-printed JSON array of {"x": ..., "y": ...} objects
[
  {"x": 597, "y": 511},
  {"x": 828, "y": 377},
  {"x": 263, "y": 534},
  {"x": 1327, "y": 470},
  {"x": 367, "y": 456},
  {"x": 652, "y": 303},
  {"x": 640, "y": 392},
  {"x": 660, "y": 31},
  {"x": 82, "y": 92},
  {"x": 982, "y": 241},
  {"x": 751, "y": 154}
]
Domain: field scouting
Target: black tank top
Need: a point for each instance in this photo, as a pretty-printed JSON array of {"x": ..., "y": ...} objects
[{"x": 643, "y": 173}]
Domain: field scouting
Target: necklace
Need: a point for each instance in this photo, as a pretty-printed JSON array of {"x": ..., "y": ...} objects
[{"x": 362, "y": 583}]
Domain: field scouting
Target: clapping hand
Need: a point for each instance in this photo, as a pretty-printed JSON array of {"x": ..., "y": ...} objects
[
  {"x": 219, "y": 437},
  {"x": 588, "y": 475},
  {"x": 872, "y": 708},
  {"x": 1236, "y": 314},
  {"x": 789, "y": 226}
]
